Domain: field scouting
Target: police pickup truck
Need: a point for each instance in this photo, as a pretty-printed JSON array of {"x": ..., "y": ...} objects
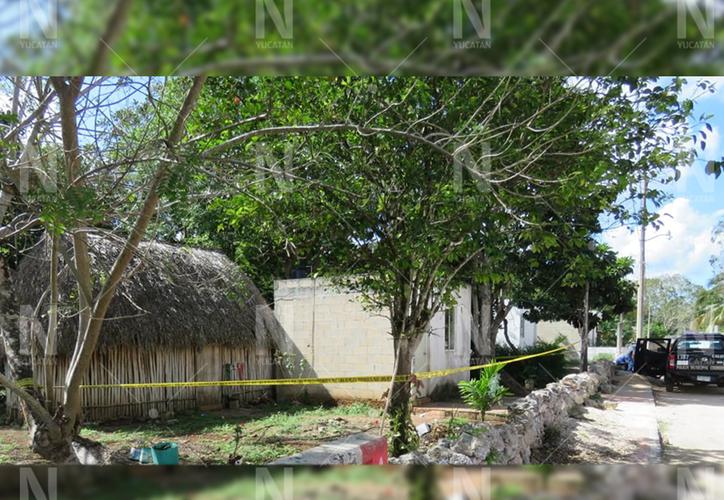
[{"x": 692, "y": 358}]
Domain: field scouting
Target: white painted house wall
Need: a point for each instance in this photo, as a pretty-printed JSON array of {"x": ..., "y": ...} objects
[
  {"x": 333, "y": 332},
  {"x": 522, "y": 333}
]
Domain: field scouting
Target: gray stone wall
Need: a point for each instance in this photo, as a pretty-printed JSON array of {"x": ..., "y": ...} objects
[{"x": 512, "y": 442}]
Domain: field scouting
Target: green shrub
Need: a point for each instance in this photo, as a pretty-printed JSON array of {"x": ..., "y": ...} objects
[
  {"x": 542, "y": 370},
  {"x": 484, "y": 392}
]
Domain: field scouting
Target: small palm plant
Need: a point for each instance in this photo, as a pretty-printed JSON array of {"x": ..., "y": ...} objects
[{"x": 484, "y": 392}]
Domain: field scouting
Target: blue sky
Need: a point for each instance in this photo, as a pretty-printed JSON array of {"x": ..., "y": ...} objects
[{"x": 683, "y": 245}]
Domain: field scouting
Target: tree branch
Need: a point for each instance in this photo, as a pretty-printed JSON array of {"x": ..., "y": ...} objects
[{"x": 115, "y": 25}]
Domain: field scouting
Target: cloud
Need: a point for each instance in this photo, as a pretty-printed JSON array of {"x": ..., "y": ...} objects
[{"x": 682, "y": 246}]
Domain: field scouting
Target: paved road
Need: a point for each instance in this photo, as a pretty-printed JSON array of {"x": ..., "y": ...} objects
[{"x": 691, "y": 424}]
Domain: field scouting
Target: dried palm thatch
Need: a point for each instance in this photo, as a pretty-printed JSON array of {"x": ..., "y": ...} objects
[{"x": 171, "y": 297}]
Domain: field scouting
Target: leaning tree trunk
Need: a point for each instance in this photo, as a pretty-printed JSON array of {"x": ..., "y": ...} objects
[
  {"x": 60, "y": 440},
  {"x": 19, "y": 363}
]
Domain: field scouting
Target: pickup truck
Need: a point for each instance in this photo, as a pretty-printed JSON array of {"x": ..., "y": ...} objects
[{"x": 692, "y": 358}]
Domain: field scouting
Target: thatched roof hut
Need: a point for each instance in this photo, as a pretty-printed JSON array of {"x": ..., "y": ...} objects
[
  {"x": 173, "y": 297},
  {"x": 181, "y": 314}
]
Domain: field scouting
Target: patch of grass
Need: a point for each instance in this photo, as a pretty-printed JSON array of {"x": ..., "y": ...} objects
[
  {"x": 261, "y": 454},
  {"x": 492, "y": 457},
  {"x": 5, "y": 452},
  {"x": 270, "y": 432}
]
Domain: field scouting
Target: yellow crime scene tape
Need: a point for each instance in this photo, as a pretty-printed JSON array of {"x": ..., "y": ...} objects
[{"x": 324, "y": 380}]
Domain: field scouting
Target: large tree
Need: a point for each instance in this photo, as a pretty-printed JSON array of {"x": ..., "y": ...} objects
[
  {"x": 56, "y": 429},
  {"x": 430, "y": 183},
  {"x": 645, "y": 126}
]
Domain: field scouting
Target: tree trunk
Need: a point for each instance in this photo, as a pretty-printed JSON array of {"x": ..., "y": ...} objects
[
  {"x": 404, "y": 435},
  {"x": 584, "y": 349},
  {"x": 82, "y": 358},
  {"x": 50, "y": 338},
  {"x": 19, "y": 363},
  {"x": 483, "y": 335},
  {"x": 585, "y": 330}
]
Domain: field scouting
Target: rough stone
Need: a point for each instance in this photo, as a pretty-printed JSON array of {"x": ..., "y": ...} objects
[
  {"x": 459, "y": 459},
  {"x": 413, "y": 458},
  {"x": 439, "y": 454},
  {"x": 465, "y": 444},
  {"x": 511, "y": 442}
]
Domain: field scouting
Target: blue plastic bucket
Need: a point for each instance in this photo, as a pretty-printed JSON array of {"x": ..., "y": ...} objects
[{"x": 165, "y": 453}]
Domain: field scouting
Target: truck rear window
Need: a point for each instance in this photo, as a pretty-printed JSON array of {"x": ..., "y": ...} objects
[{"x": 700, "y": 345}]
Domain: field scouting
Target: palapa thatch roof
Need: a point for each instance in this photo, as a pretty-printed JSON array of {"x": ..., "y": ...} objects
[{"x": 172, "y": 296}]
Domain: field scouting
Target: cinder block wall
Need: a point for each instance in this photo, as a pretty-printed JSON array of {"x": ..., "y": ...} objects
[{"x": 336, "y": 336}]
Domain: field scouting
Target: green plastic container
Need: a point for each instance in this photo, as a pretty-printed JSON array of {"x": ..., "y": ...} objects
[{"x": 165, "y": 453}]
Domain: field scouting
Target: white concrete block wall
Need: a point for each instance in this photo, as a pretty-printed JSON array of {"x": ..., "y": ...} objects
[
  {"x": 335, "y": 334},
  {"x": 338, "y": 337}
]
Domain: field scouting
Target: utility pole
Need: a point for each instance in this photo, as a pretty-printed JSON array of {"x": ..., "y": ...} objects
[
  {"x": 584, "y": 336},
  {"x": 642, "y": 263},
  {"x": 619, "y": 334}
]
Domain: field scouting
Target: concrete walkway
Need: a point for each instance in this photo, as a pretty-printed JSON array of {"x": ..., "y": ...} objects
[{"x": 634, "y": 400}]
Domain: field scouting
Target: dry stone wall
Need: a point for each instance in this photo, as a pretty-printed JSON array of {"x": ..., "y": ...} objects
[{"x": 512, "y": 442}]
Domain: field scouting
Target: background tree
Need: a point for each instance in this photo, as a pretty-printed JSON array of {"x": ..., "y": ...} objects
[
  {"x": 670, "y": 304},
  {"x": 590, "y": 279},
  {"x": 709, "y": 306},
  {"x": 626, "y": 145}
]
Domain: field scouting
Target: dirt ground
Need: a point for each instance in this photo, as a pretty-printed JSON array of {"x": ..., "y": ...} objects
[
  {"x": 605, "y": 430},
  {"x": 268, "y": 432},
  {"x": 596, "y": 437}
]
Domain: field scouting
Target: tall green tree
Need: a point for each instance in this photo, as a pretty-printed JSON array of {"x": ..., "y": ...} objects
[
  {"x": 589, "y": 285},
  {"x": 431, "y": 183},
  {"x": 709, "y": 306}
]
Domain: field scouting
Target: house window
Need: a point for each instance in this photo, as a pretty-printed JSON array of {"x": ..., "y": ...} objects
[{"x": 450, "y": 330}]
